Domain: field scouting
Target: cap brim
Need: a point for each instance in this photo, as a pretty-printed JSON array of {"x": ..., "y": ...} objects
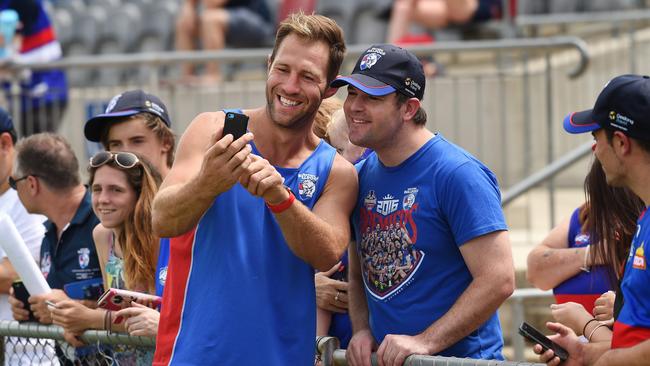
[
  {"x": 93, "y": 127},
  {"x": 580, "y": 122},
  {"x": 364, "y": 83}
]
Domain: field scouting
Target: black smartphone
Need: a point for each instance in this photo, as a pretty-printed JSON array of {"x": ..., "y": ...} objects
[
  {"x": 529, "y": 332},
  {"x": 235, "y": 124},
  {"x": 21, "y": 293}
]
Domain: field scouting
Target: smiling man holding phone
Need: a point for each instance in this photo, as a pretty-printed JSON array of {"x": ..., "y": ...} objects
[{"x": 257, "y": 214}]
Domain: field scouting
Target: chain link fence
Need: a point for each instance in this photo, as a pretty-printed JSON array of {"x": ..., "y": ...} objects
[{"x": 37, "y": 344}]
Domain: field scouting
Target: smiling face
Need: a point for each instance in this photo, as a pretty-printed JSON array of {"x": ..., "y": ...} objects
[
  {"x": 113, "y": 198},
  {"x": 338, "y": 135},
  {"x": 297, "y": 81},
  {"x": 373, "y": 122}
]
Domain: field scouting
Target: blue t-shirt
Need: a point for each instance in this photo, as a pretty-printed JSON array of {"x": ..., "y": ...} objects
[
  {"x": 74, "y": 257},
  {"x": 409, "y": 222}
]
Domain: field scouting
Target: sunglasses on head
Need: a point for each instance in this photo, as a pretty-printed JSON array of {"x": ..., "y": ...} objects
[{"x": 124, "y": 160}]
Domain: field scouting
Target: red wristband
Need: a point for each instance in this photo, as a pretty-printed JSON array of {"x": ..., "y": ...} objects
[{"x": 284, "y": 205}]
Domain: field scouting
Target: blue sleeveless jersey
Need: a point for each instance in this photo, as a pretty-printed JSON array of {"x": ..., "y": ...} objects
[
  {"x": 583, "y": 288},
  {"x": 235, "y": 293}
]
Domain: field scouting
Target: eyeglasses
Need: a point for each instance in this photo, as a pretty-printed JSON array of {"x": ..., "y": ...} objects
[
  {"x": 12, "y": 181},
  {"x": 124, "y": 160}
]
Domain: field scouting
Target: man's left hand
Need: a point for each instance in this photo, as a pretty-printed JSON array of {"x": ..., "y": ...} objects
[{"x": 395, "y": 348}]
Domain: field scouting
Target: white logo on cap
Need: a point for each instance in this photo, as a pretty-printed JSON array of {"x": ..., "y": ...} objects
[
  {"x": 369, "y": 60},
  {"x": 156, "y": 108},
  {"x": 112, "y": 103}
]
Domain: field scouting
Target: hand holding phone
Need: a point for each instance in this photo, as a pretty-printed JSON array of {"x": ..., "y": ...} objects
[
  {"x": 529, "y": 332},
  {"x": 235, "y": 124},
  {"x": 21, "y": 293}
]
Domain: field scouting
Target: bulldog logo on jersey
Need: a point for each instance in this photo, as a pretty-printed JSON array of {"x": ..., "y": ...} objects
[
  {"x": 84, "y": 257},
  {"x": 582, "y": 240},
  {"x": 307, "y": 185},
  {"x": 639, "y": 258},
  {"x": 369, "y": 60}
]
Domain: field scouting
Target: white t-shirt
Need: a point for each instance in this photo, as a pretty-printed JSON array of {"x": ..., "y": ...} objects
[{"x": 31, "y": 229}]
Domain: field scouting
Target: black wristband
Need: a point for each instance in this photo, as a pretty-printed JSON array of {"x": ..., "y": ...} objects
[{"x": 584, "y": 329}]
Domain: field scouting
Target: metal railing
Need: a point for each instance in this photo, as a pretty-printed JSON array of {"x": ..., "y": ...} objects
[{"x": 330, "y": 354}]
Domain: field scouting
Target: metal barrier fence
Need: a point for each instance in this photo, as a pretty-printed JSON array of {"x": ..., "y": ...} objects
[{"x": 329, "y": 353}]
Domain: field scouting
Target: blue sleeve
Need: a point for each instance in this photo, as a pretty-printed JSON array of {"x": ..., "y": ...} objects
[
  {"x": 471, "y": 202},
  {"x": 575, "y": 227}
]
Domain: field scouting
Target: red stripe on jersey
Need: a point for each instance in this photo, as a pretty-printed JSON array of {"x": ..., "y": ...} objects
[
  {"x": 586, "y": 300},
  {"x": 37, "y": 40},
  {"x": 627, "y": 336},
  {"x": 178, "y": 269}
]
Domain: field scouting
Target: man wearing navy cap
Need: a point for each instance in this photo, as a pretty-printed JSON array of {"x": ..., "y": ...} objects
[
  {"x": 432, "y": 247},
  {"x": 620, "y": 124},
  {"x": 137, "y": 122}
]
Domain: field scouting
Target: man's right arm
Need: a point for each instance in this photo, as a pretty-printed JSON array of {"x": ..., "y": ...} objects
[{"x": 205, "y": 166}]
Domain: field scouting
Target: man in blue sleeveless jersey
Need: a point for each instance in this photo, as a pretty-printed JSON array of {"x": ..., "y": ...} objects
[
  {"x": 620, "y": 124},
  {"x": 255, "y": 216},
  {"x": 431, "y": 243}
]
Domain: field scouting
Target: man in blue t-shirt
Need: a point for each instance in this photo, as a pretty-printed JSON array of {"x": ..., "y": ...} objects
[{"x": 432, "y": 248}]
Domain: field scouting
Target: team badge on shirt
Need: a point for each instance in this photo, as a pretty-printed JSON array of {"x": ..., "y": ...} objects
[
  {"x": 46, "y": 264},
  {"x": 84, "y": 257},
  {"x": 639, "y": 258},
  {"x": 307, "y": 185},
  {"x": 409, "y": 198}
]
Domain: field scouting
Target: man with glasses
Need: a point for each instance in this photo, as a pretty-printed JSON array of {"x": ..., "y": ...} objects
[
  {"x": 30, "y": 227},
  {"x": 46, "y": 178}
]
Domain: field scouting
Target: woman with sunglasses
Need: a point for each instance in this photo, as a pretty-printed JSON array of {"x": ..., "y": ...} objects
[{"x": 123, "y": 187}]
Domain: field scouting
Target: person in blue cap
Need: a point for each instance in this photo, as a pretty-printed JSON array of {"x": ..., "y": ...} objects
[
  {"x": 620, "y": 125},
  {"x": 432, "y": 261}
]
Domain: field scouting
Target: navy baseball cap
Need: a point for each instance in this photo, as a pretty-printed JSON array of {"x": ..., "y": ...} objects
[
  {"x": 623, "y": 105},
  {"x": 124, "y": 105},
  {"x": 6, "y": 123},
  {"x": 383, "y": 69}
]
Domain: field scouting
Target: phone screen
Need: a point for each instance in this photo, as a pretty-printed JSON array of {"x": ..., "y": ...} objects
[
  {"x": 235, "y": 124},
  {"x": 535, "y": 336}
]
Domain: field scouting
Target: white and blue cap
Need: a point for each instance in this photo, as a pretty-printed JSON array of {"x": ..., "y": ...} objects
[
  {"x": 623, "y": 105},
  {"x": 124, "y": 105},
  {"x": 383, "y": 69}
]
